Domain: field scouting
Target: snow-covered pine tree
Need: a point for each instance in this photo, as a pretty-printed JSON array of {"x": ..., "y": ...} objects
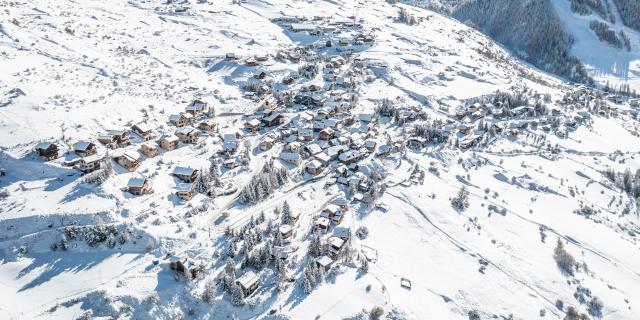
[
  {"x": 286, "y": 213},
  {"x": 237, "y": 296}
]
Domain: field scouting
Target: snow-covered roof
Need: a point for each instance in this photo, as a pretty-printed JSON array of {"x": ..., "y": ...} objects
[
  {"x": 322, "y": 221},
  {"x": 336, "y": 242},
  {"x": 314, "y": 148},
  {"x": 248, "y": 279},
  {"x": 136, "y": 182},
  {"x": 143, "y": 127},
  {"x": 132, "y": 155},
  {"x": 314, "y": 164},
  {"x": 93, "y": 158},
  {"x": 284, "y": 229},
  {"x": 290, "y": 156},
  {"x": 272, "y": 117},
  {"x": 43, "y": 145},
  {"x": 324, "y": 261},
  {"x": 342, "y": 232},
  {"x": 253, "y": 123},
  {"x": 81, "y": 145},
  {"x": 175, "y": 117},
  {"x": 184, "y": 187},
  {"x": 183, "y": 171},
  {"x": 185, "y": 130},
  {"x": 170, "y": 138}
]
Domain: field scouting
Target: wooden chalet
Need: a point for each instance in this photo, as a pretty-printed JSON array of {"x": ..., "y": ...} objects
[
  {"x": 84, "y": 148},
  {"x": 252, "y": 125},
  {"x": 90, "y": 163},
  {"x": 169, "y": 142},
  {"x": 139, "y": 186},
  {"x": 115, "y": 139},
  {"x": 47, "y": 150},
  {"x": 188, "y": 134},
  {"x": 185, "y": 191},
  {"x": 144, "y": 131},
  {"x": 180, "y": 120},
  {"x": 248, "y": 282},
  {"x": 197, "y": 107},
  {"x": 149, "y": 150},
  {"x": 185, "y": 174},
  {"x": 314, "y": 167},
  {"x": 129, "y": 160},
  {"x": 207, "y": 125},
  {"x": 273, "y": 119},
  {"x": 291, "y": 157}
]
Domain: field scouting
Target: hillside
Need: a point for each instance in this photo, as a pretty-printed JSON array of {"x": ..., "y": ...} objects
[
  {"x": 304, "y": 160},
  {"x": 559, "y": 37}
]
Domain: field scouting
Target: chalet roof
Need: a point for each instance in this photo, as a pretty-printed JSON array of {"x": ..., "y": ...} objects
[
  {"x": 248, "y": 279},
  {"x": 93, "y": 158},
  {"x": 285, "y": 228},
  {"x": 81, "y": 145},
  {"x": 230, "y": 145},
  {"x": 116, "y": 132},
  {"x": 44, "y": 145},
  {"x": 290, "y": 156},
  {"x": 175, "y": 117},
  {"x": 340, "y": 201},
  {"x": 184, "y": 187},
  {"x": 170, "y": 138},
  {"x": 324, "y": 261},
  {"x": 332, "y": 208},
  {"x": 208, "y": 122},
  {"x": 314, "y": 164},
  {"x": 349, "y": 155},
  {"x": 132, "y": 155},
  {"x": 148, "y": 146},
  {"x": 136, "y": 182},
  {"x": 229, "y": 136},
  {"x": 342, "y": 232},
  {"x": 322, "y": 221},
  {"x": 314, "y": 148},
  {"x": 186, "y": 130},
  {"x": 196, "y": 105},
  {"x": 253, "y": 123},
  {"x": 272, "y": 117},
  {"x": 336, "y": 242},
  {"x": 183, "y": 171},
  {"x": 323, "y": 157},
  {"x": 143, "y": 127}
]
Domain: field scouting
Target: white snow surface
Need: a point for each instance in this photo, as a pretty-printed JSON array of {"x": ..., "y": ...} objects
[{"x": 86, "y": 67}]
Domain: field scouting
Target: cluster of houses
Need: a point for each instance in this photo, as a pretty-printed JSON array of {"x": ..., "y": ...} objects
[{"x": 85, "y": 155}]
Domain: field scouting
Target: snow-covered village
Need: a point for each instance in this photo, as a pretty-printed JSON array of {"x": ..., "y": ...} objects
[{"x": 249, "y": 159}]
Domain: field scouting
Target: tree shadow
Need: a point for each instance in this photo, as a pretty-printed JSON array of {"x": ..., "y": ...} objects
[{"x": 52, "y": 265}]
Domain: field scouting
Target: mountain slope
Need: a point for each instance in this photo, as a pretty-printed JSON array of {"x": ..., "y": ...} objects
[
  {"x": 540, "y": 165},
  {"x": 557, "y": 36}
]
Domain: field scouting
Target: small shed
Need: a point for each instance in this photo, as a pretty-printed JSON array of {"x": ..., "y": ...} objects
[
  {"x": 324, "y": 262},
  {"x": 248, "y": 282},
  {"x": 286, "y": 231}
]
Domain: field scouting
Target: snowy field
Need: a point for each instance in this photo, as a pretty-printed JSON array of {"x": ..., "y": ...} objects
[{"x": 72, "y": 70}]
